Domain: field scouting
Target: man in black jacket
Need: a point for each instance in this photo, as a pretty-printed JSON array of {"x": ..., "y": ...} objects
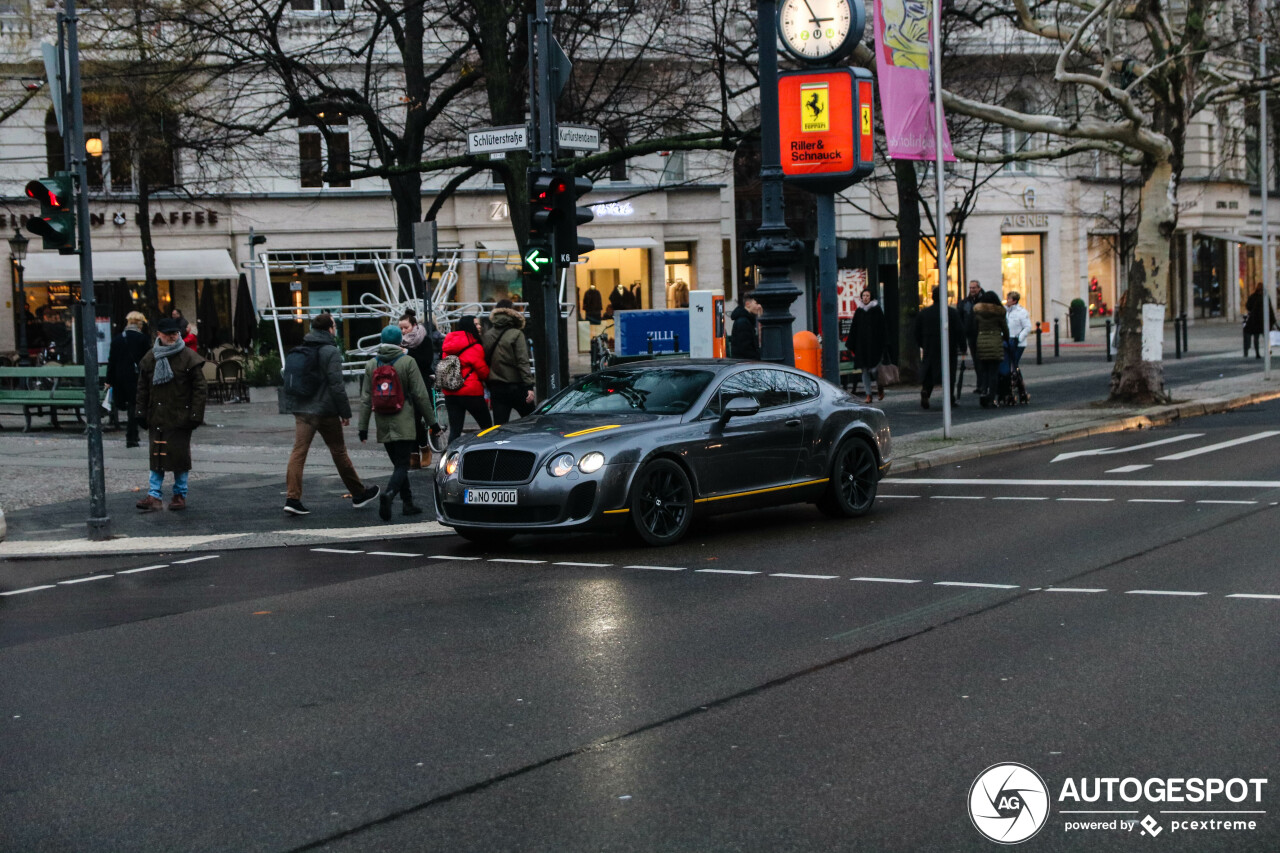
[
  {"x": 326, "y": 411},
  {"x": 744, "y": 339},
  {"x": 929, "y": 338}
]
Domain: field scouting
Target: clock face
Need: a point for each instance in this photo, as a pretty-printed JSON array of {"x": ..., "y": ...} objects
[{"x": 815, "y": 30}]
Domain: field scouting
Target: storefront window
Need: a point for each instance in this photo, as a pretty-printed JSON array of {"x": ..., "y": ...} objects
[
  {"x": 614, "y": 280},
  {"x": 1102, "y": 275},
  {"x": 1022, "y": 269},
  {"x": 680, "y": 277},
  {"x": 928, "y": 266},
  {"x": 500, "y": 277}
]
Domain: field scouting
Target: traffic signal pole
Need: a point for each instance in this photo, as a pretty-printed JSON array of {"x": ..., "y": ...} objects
[
  {"x": 543, "y": 102},
  {"x": 99, "y": 523}
]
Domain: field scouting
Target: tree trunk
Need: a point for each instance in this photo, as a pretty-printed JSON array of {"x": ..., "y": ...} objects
[
  {"x": 406, "y": 195},
  {"x": 1133, "y": 379},
  {"x": 904, "y": 173}
]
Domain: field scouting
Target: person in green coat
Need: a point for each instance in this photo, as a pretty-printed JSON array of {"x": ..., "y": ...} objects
[
  {"x": 396, "y": 432},
  {"x": 989, "y": 329},
  {"x": 171, "y": 396}
]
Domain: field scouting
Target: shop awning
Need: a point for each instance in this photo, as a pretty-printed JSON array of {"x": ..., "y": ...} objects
[
  {"x": 497, "y": 246},
  {"x": 1231, "y": 236},
  {"x": 171, "y": 264}
]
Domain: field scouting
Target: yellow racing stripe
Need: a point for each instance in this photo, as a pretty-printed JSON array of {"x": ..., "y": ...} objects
[
  {"x": 585, "y": 431},
  {"x": 762, "y": 491}
]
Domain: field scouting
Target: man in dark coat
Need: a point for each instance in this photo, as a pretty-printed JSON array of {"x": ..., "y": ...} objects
[
  {"x": 325, "y": 412},
  {"x": 929, "y": 338},
  {"x": 171, "y": 397},
  {"x": 1253, "y": 320},
  {"x": 967, "y": 341},
  {"x": 127, "y": 351},
  {"x": 744, "y": 338}
]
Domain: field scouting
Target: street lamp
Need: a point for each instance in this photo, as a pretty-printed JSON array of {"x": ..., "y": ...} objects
[{"x": 18, "y": 251}]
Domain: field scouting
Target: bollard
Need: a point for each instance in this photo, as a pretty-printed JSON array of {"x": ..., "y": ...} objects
[
  {"x": 1056, "y": 351},
  {"x": 1177, "y": 340},
  {"x": 650, "y": 344},
  {"x": 1039, "y": 354},
  {"x": 1186, "y": 347},
  {"x": 1108, "y": 341},
  {"x": 675, "y": 347}
]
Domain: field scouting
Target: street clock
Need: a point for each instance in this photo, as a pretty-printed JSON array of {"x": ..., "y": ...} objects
[{"x": 820, "y": 31}]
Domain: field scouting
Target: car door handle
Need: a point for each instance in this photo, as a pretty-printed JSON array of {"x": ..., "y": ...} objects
[{"x": 792, "y": 422}]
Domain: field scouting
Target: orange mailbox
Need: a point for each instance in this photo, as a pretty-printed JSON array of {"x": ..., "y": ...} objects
[{"x": 808, "y": 352}]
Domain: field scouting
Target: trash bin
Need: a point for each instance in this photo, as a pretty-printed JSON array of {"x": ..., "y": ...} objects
[
  {"x": 808, "y": 352},
  {"x": 1079, "y": 317}
]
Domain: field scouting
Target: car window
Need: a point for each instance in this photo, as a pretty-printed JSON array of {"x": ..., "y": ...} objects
[
  {"x": 661, "y": 391},
  {"x": 801, "y": 388},
  {"x": 767, "y": 387}
]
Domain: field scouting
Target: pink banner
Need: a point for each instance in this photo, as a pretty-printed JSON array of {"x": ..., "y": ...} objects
[{"x": 902, "y": 39}]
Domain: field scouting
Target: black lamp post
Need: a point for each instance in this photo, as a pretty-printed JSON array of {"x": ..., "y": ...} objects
[
  {"x": 774, "y": 250},
  {"x": 18, "y": 250}
]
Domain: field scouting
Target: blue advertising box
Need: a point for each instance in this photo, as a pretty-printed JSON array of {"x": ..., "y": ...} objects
[{"x": 634, "y": 330}]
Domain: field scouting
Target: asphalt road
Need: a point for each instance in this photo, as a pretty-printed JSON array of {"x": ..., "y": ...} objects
[{"x": 778, "y": 682}]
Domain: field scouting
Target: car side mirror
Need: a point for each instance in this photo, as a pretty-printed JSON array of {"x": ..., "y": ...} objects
[{"x": 739, "y": 407}]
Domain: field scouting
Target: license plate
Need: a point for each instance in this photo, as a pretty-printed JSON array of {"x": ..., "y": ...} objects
[{"x": 490, "y": 497}]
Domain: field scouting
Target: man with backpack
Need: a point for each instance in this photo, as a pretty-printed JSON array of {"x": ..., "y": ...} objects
[
  {"x": 393, "y": 389},
  {"x": 318, "y": 400}
]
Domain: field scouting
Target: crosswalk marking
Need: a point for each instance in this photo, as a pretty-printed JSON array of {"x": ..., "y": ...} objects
[
  {"x": 1222, "y": 445},
  {"x": 1127, "y": 469}
]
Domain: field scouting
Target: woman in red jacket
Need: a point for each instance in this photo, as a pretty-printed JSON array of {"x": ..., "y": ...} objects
[{"x": 464, "y": 342}]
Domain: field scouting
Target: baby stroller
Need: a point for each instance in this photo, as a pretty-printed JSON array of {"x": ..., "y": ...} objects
[{"x": 1010, "y": 389}]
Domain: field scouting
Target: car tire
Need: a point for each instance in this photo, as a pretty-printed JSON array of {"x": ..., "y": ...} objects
[
  {"x": 852, "y": 488},
  {"x": 661, "y": 503},
  {"x": 484, "y": 535}
]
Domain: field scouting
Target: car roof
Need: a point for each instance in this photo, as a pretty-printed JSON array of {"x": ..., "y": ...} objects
[{"x": 717, "y": 364}]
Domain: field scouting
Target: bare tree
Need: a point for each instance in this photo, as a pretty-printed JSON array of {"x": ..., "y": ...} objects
[{"x": 1133, "y": 78}]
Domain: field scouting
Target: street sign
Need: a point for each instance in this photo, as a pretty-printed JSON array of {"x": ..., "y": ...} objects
[
  {"x": 536, "y": 260},
  {"x": 578, "y": 138},
  {"x": 487, "y": 140}
]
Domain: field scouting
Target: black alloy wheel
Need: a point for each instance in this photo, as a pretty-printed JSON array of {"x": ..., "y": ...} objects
[
  {"x": 661, "y": 503},
  {"x": 852, "y": 489}
]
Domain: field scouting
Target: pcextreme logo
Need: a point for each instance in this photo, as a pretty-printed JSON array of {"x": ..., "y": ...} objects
[{"x": 1009, "y": 803}]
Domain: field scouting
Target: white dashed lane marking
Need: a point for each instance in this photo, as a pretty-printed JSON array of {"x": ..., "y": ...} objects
[
  {"x": 659, "y": 568},
  {"x": 86, "y": 580},
  {"x": 143, "y": 569},
  {"x": 981, "y": 585},
  {"x": 726, "y": 572},
  {"x": 1162, "y": 592},
  {"x": 336, "y": 551},
  {"x": 885, "y": 580},
  {"x": 391, "y": 554},
  {"x": 28, "y": 589},
  {"x": 201, "y": 559},
  {"x": 1072, "y": 589},
  {"x": 1127, "y": 469},
  {"x": 515, "y": 560},
  {"x": 810, "y": 577},
  {"x": 1019, "y": 498},
  {"x": 1253, "y": 595},
  {"x": 589, "y": 565}
]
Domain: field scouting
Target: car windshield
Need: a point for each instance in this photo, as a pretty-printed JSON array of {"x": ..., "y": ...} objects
[{"x": 658, "y": 391}]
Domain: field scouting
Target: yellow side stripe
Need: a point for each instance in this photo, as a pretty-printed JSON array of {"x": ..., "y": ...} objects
[
  {"x": 615, "y": 511},
  {"x": 585, "y": 431},
  {"x": 487, "y": 431},
  {"x": 762, "y": 491}
]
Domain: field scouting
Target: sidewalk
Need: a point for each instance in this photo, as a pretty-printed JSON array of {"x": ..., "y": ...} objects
[{"x": 237, "y": 487}]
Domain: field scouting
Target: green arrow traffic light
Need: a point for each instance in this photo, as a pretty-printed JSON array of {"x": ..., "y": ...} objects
[{"x": 536, "y": 260}]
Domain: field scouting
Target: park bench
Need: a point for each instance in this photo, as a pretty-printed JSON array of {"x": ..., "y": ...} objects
[{"x": 42, "y": 391}]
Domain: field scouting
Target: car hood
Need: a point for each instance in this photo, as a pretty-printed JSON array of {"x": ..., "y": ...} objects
[{"x": 544, "y": 433}]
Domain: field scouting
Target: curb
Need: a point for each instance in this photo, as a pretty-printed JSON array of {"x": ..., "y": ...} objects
[{"x": 1153, "y": 417}]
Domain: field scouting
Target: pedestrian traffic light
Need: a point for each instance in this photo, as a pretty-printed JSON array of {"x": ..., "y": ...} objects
[
  {"x": 569, "y": 246},
  {"x": 57, "y": 223}
]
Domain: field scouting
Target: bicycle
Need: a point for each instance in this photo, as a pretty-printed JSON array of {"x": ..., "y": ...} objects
[
  {"x": 602, "y": 354},
  {"x": 438, "y": 440}
]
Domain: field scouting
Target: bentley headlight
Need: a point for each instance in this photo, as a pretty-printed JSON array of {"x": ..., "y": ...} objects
[
  {"x": 451, "y": 463},
  {"x": 591, "y": 462},
  {"x": 561, "y": 465}
]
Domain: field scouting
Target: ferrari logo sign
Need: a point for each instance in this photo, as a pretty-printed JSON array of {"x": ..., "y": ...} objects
[
  {"x": 825, "y": 126},
  {"x": 815, "y": 107}
]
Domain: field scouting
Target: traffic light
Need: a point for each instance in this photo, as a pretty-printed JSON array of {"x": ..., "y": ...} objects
[
  {"x": 57, "y": 222},
  {"x": 542, "y": 219},
  {"x": 569, "y": 246}
]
